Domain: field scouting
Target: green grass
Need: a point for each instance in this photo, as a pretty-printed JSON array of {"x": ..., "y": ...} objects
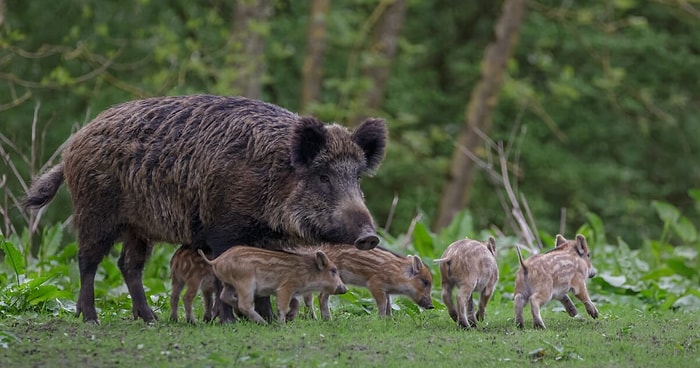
[{"x": 621, "y": 337}]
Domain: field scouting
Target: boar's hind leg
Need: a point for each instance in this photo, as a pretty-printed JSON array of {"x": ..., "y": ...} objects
[
  {"x": 535, "y": 304},
  {"x": 447, "y": 288},
  {"x": 245, "y": 305},
  {"x": 93, "y": 247},
  {"x": 135, "y": 252},
  {"x": 264, "y": 307},
  {"x": 177, "y": 286},
  {"x": 519, "y": 305}
]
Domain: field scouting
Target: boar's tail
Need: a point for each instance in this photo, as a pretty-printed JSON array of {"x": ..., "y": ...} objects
[
  {"x": 520, "y": 259},
  {"x": 201, "y": 253},
  {"x": 44, "y": 188}
]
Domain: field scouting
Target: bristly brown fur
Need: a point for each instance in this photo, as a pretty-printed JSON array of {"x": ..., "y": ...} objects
[
  {"x": 247, "y": 272},
  {"x": 211, "y": 172},
  {"x": 552, "y": 275},
  {"x": 381, "y": 271},
  {"x": 470, "y": 266},
  {"x": 187, "y": 268}
]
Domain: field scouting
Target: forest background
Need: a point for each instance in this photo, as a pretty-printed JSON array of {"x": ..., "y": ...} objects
[{"x": 597, "y": 103}]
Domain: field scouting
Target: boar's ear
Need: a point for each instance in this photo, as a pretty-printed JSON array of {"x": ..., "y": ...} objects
[
  {"x": 492, "y": 245},
  {"x": 581, "y": 245},
  {"x": 416, "y": 265},
  {"x": 560, "y": 241},
  {"x": 321, "y": 260},
  {"x": 308, "y": 139},
  {"x": 371, "y": 137}
]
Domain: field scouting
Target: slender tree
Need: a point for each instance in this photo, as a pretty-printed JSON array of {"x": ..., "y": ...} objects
[
  {"x": 250, "y": 21},
  {"x": 383, "y": 48},
  {"x": 482, "y": 102},
  {"x": 312, "y": 70}
]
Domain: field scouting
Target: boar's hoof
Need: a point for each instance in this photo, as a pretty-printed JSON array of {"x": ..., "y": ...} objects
[{"x": 367, "y": 242}]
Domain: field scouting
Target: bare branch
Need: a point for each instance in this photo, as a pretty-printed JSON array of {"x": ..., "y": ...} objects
[
  {"x": 562, "y": 221},
  {"x": 411, "y": 228},
  {"x": 16, "y": 101},
  {"x": 390, "y": 217},
  {"x": 515, "y": 211}
]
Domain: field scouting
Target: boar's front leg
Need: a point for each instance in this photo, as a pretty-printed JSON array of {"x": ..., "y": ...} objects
[
  {"x": 309, "y": 303},
  {"x": 284, "y": 299},
  {"x": 382, "y": 300},
  {"x": 293, "y": 309},
  {"x": 135, "y": 252},
  {"x": 323, "y": 305},
  {"x": 581, "y": 292},
  {"x": 569, "y": 305}
]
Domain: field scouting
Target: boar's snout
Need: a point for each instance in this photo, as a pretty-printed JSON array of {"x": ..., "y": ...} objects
[
  {"x": 426, "y": 303},
  {"x": 367, "y": 240},
  {"x": 591, "y": 272},
  {"x": 341, "y": 289}
]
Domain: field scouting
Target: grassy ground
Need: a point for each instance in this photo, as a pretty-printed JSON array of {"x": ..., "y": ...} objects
[{"x": 622, "y": 337}]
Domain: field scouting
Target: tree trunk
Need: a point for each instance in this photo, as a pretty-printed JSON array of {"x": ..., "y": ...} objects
[
  {"x": 250, "y": 20},
  {"x": 312, "y": 70},
  {"x": 2, "y": 13},
  {"x": 383, "y": 48},
  {"x": 482, "y": 102}
]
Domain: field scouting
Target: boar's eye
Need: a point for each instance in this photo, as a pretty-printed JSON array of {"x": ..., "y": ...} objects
[
  {"x": 324, "y": 179},
  {"x": 425, "y": 282},
  {"x": 334, "y": 271}
]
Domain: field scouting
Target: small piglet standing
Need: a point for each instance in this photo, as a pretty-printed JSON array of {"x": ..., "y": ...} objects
[
  {"x": 552, "y": 275},
  {"x": 187, "y": 268},
  {"x": 248, "y": 272},
  {"x": 382, "y": 272},
  {"x": 470, "y": 266}
]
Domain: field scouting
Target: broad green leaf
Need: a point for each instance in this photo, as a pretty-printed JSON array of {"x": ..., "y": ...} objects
[
  {"x": 688, "y": 303},
  {"x": 51, "y": 241},
  {"x": 615, "y": 281},
  {"x": 13, "y": 257},
  {"x": 598, "y": 228},
  {"x": 423, "y": 242},
  {"x": 679, "y": 265},
  {"x": 666, "y": 211},
  {"x": 462, "y": 225},
  {"x": 685, "y": 229}
]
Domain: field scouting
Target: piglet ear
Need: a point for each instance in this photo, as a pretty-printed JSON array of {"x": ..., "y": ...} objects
[
  {"x": 492, "y": 245},
  {"x": 416, "y": 266},
  {"x": 308, "y": 139},
  {"x": 371, "y": 135},
  {"x": 560, "y": 241},
  {"x": 321, "y": 261},
  {"x": 581, "y": 245}
]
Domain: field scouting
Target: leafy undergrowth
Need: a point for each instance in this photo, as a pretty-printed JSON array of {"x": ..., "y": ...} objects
[
  {"x": 648, "y": 296},
  {"x": 621, "y": 337}
]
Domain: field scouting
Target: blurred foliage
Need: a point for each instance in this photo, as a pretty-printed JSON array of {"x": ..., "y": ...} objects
[{"x": 607, "y": 94}]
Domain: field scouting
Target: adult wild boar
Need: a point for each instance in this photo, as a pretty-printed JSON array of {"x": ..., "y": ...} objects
[{"x": 212, "y": 172}]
